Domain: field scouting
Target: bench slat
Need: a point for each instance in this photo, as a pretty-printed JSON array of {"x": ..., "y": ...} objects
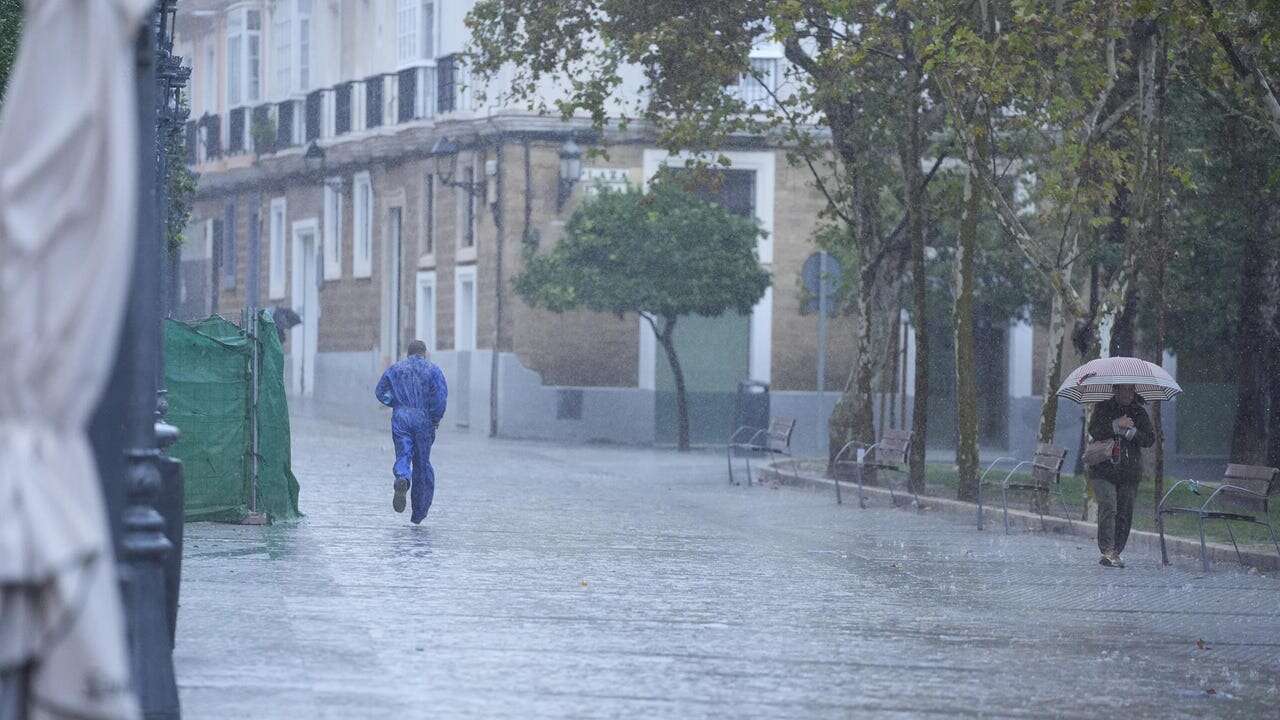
[{"x": 1258, "y": 478}]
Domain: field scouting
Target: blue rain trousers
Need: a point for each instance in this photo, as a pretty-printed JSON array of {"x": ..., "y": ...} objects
[{"x": 415, "y": 390}]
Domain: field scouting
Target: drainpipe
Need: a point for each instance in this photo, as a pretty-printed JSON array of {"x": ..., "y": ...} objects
[
  {"x": 526, "y": 236},
  {"x": 500, "y": 247}
]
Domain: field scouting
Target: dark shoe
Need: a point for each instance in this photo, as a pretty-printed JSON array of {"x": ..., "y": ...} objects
[
  {"x": 1116, "y": 561},
  {"x": 402, "y": 489},
  {"x": 1106, "y": 561}
]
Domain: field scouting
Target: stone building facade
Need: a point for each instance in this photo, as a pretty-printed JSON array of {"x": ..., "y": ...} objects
[{"x": 314, "y": 129}]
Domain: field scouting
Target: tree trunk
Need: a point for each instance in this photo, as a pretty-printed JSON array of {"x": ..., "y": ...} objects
[
  {"x": 667, "y": 338},
  {"x": 910, "y": 152},
  {"x": 1248, "y": 437},
  {"x": 1084, "y": 340},
  {"x": 1053, "y": 368},
  {"x": 853, "y": 417},
  {"x": 966, "y": 381},
  {"x": 889, "y": 376}
]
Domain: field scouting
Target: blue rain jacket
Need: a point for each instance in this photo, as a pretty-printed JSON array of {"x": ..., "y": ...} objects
[{"x": 415, "y": 390}]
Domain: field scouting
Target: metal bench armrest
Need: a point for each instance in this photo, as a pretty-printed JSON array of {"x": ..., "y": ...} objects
[
  {"x": 1236, "y": 488},
  {"x": 854, "y": 444},
  {"x": 1005, "y": 481},
  {"x": 733, "y": 439},
  {"x": 992, "y": 466},
  {"x": 1175, "y": 486}
]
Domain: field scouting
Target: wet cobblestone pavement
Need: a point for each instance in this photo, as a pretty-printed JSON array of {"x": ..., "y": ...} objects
[{"x": 558, "y": 581}]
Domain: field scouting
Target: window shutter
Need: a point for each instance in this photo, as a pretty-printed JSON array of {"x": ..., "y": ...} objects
[
  {"x": 408, "y": 93},
  {"x": 284, "y": 124},
  {"x": 373, "y": 101},
  {"x": 315, "y": 101},
  {"x": 342, "y": 109}
]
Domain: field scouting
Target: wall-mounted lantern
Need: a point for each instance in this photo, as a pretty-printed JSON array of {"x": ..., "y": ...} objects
[
  {"x": 570, "y": 171},
  {"x": 444, "y": 155}
]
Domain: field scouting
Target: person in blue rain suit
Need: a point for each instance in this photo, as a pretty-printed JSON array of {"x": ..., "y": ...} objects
[{"x": 415, "y": 390}]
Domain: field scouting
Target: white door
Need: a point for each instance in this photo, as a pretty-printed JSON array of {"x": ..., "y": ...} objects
[
  {"x": 307, "y": 270},
  {"x": 464, "y": 340},
  {"x": 425, "y": 327},
  {"x": 465, "y": 312}
]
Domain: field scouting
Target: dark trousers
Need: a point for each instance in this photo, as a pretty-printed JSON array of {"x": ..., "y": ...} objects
[
  {"x": 413, "y": 460},
  {"x": 1115, "y": 513}
]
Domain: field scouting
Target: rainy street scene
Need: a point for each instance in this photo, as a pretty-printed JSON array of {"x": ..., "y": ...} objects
[{"x": 579, "y": 359}]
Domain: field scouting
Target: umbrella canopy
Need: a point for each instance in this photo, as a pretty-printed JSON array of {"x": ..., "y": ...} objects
[
  {"x": 1095, "y": 380},
  {"x": 68, "y": 193}
]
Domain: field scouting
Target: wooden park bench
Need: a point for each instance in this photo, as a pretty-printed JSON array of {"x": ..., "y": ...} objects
[
  {"x": 1046, "y": 480},
  {"x": 1243, "y": 496},
  {"x": 890, "y": 453},
  {"x": 773, "y": 440}
]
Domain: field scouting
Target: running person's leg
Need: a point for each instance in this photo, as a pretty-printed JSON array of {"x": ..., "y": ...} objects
[
  {"x": 402, "y": 470},
  {"x": 424, "y": 476}
]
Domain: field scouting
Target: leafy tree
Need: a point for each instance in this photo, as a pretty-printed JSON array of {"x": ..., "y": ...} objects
[
  {"x": 662, "y": 254},
  {"x": 851, "y": 106}
]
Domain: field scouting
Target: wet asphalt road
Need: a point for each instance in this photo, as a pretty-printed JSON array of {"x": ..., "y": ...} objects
[{"x": 559, "y": 581}]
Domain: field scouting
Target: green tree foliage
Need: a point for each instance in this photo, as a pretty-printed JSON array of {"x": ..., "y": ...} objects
[
  {"x": 182, "y": 182},
  {"x": 662, "y": 254},
  {"x": 851, "y": 106},
  {"x": 10, "y": 33}
]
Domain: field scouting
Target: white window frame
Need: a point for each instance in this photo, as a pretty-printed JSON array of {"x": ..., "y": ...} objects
[
  {"x": 282, "y": 49},
  {"x": 362, "y": 225},
  {"x": 460, "y": 274},
  {"x": 426, "y": 313},
  {"x": 408, "y": 28},
  {"x": 249, "y": 40},
  {"x": 210, "y": 73},
  {"x": 328, "y": 114},
  {"x": 299, "y": 122},
  {"x": 277, "y": 259},
  {"x": 304, "y": 47},
  {"x": 465, "y": 213},
  {"x": 390, "y": 100},
  {"x": 332, "y": 229},
  {"x": 359, "y": 116},
  {"x": 415, "y": 31}
]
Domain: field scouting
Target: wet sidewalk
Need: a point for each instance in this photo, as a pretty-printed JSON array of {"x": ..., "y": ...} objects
[{"x": 560, "y": 581}]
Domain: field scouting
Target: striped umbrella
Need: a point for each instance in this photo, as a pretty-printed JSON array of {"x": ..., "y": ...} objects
[{"x": 1093, "y": 381}]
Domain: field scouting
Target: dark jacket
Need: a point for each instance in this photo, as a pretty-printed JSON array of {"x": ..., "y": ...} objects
[{"x": 1129, "y": 469}]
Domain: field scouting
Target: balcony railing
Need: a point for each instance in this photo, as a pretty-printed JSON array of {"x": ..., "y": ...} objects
[{"x": 412, "y": 94}]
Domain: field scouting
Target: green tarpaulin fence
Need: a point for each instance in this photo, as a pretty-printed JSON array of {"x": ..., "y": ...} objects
[{"x": 209, "y": 375}]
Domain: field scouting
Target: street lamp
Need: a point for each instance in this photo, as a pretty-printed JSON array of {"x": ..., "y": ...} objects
[
  {"x": 570, "y": 171},
  {"x": 444, "y": 156},
  {"x": 314, "y": 158}
]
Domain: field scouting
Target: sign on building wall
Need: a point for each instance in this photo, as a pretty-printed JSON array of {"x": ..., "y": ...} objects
[{"x": 611, "y": 178}]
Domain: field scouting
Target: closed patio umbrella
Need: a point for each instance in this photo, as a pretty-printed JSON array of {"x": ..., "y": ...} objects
[
  {"x": 1095, "y": 380},
  {"x": 68, "y": 188}
]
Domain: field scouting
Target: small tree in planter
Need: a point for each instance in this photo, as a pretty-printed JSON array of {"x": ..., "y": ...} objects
[{"x": 661, "y": 254}]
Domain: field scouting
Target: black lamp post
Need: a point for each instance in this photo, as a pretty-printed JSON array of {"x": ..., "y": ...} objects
[
  {"x": 570, "y": 171},
  {"x": 144, "y": 543},
  {"x": 314, "y": 159},
  {"x": 171, "y": 117},
  {"x": 444, "y": 155}
]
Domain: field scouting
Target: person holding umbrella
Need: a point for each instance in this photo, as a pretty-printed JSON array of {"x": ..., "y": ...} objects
[
  {"x": 1119, "y": 429},
  {"x": 1124, "y": 420}
]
